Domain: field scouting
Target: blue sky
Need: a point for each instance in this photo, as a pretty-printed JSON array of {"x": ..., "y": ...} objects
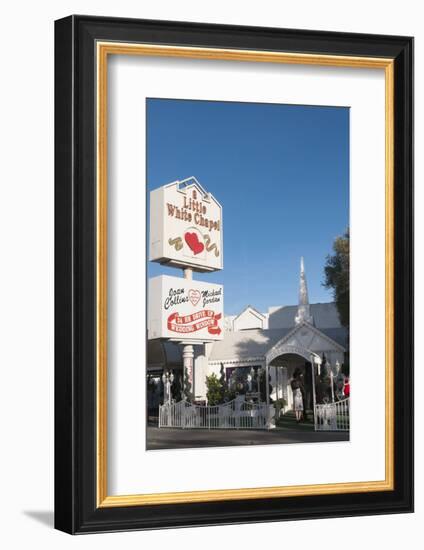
[{"x": 281, "y": 173}]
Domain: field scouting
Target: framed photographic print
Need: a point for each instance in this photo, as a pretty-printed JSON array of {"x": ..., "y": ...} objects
[{"x": 233, "y": 272}]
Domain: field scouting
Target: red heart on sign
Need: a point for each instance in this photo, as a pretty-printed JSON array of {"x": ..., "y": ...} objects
[
  {"x": 193, "y": 242},
  {"x": 194, "y": 296}
]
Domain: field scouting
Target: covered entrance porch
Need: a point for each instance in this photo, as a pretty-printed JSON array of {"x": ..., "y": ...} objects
[{"x": 288, "y": 367}]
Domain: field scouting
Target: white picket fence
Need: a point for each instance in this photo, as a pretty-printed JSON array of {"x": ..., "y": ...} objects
[
  {"x": 237, "y": 414},
  {"x": 332, "y": 416}
]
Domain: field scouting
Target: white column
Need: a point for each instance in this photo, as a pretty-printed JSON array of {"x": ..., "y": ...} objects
[
  {"x": 313, "y": 387},
  {"x": 284, "y": 382},
  {"x": 267, "y": 394},
  {"x": 277, "y": 383},
  {"x": 188, "y": 358},
  {"x": 267, "y": 383}
]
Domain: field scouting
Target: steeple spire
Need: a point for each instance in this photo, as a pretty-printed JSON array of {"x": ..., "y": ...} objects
[{"x": 303, "y": 310}]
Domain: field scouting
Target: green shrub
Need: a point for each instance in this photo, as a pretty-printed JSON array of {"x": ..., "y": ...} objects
[{"x": 215, "y": 390}]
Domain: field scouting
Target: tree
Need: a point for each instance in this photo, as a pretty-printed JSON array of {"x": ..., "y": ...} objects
[
  {"x": 215, "y": 390},
  {"x": 336, "y": 271},
  {"x": 336, "y": 276}
]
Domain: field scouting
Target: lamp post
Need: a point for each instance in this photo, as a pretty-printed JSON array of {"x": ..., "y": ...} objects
[
  {"x": 252, "y": 380},
  {"x": 167, "y": 380},
  {"x": 259, "y": 374}
]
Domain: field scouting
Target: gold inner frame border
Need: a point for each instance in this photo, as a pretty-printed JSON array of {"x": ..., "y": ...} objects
[{"x": 103, "y": 50}]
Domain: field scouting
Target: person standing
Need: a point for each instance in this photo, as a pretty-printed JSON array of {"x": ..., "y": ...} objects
[
  {"x": 296, "y": 386},
  {"x": 346, "y": 388}
]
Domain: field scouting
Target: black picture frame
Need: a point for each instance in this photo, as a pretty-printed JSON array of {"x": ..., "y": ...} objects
[{"x": 76, "y": 509}]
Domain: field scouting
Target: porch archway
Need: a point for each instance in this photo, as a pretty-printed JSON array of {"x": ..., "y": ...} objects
[{"x": 282, "y": 349}]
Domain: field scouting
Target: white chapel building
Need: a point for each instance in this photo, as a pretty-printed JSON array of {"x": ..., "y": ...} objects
[{"x": 280, "y": 340}]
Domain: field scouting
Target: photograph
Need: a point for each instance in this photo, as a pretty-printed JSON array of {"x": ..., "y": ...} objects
[{"x": 248, "y": 274}]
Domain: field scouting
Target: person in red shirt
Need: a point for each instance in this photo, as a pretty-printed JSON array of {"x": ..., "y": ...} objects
[{"x": 346, "y": 388}]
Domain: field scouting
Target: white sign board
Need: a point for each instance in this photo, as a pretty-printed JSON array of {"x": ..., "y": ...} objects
[
  {"x": 184, "y": 309},
  {"x": 186, "y": 226}
]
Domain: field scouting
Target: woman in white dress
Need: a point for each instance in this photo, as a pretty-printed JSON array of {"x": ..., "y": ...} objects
[
  {"x": 297, "y": 396},
  {"x": 298, "y": 404}
]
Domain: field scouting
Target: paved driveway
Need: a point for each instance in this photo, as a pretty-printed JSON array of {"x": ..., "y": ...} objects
[{"x": 168, "y": 438}]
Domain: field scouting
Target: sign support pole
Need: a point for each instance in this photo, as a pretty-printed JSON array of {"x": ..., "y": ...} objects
[
  {"x": 188, "y": 273},
  {"x": 188, "y": 357},
  {"x": 188, "y": 350}
]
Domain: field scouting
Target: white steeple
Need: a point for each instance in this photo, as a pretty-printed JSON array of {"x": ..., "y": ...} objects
[{"x": 303, "y": 310}]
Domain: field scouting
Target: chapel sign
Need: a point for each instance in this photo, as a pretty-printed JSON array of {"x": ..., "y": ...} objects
[
  {"x": 183, "y": 309},
  {"x": 186, "y": 226}
]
